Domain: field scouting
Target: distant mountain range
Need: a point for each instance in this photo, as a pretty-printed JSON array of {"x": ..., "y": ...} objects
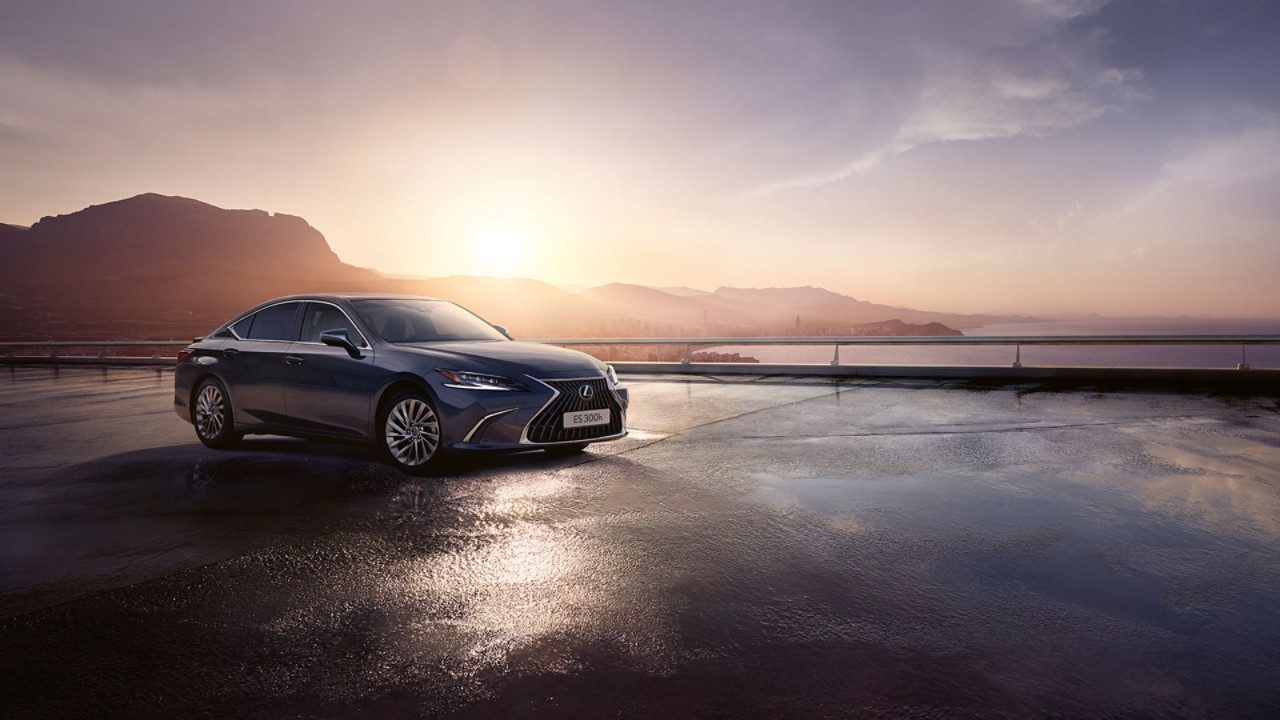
[{"x": 159, "y": 267}]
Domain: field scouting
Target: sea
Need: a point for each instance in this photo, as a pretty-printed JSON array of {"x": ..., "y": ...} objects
[{"x": 1185, "y": 356}]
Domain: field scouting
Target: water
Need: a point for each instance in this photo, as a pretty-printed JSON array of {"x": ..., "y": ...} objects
[{"x": 1190, "y": 356}]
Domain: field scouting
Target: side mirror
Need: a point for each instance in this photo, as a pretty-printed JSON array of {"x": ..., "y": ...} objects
[
  {"x": 340, "y": 338},
  {"x": 503, "y": 330}
]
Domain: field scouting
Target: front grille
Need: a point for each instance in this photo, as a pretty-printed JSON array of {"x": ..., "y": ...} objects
[{"x": 548, "y": 426}]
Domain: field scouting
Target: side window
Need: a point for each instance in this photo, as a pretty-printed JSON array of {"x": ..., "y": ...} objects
[
  {"x": 321, "y": 318},
  {"x": 274, "y": 323},
  {"x": 242, "y": 328}
]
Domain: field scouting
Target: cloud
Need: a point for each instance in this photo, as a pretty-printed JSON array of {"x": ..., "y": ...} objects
[
  {"x": 1213, "y": 164},
  {"x": 1245, "y": 156},
  {"x": 54, "y": 101},
  {"x": 1026, "y": 71},
  {"x": 1064, "y": 9}
]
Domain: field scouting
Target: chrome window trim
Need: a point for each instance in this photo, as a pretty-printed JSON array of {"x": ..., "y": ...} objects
[
  {"x": 363, "y": 340},
  {"x": 230, "y": 327}
]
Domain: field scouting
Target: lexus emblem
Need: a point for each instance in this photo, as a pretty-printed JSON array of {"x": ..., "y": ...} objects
[{"x": 586, "y": 391}]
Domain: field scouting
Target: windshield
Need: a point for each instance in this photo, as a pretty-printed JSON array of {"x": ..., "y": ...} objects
[{"x": 418, "y": 321}]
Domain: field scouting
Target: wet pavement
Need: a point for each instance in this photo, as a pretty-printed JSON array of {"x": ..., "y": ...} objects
[{"x": 756, "y": 548}]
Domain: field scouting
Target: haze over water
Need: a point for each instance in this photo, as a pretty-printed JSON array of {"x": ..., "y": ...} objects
[{"x": 1192, "y": 356}]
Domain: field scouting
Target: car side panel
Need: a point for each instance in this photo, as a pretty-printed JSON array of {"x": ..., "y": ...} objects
[
  {"x": 253, "y": 371},
  {"x": 327, "y": 391},
  {"x": 202, "y": 361}
]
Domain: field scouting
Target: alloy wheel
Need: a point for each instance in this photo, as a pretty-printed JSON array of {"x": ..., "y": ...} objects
[
  {"x": 412, "y": 432},
  {"x": 210, "y": 412}
]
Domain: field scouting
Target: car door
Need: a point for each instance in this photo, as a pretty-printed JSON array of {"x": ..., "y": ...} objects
[
  {"x": 327, "y": 390},
  {"x": 253, "y": 367}
]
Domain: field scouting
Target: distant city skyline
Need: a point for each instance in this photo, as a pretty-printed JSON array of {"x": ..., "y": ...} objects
[{"x": 1036, "y": 156}]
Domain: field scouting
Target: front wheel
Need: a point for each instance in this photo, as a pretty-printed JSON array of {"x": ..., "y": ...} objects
[
  {"x": 211, "y": 415},
  {"x": 411, "y": 433}
]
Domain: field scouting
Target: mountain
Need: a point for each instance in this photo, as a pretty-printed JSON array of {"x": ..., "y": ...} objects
[
  {"x": 658, "y": 306},
  {"x": 156, "y": 265},
  {"x": 684, "y": 291},
  {"x": 151, "y": 235},
  {"x": 771, "y": 311},
  {"x": 820, "y": 307},
  {"x": 159, "y": 267},
  {"x": 529, "y": 308}
]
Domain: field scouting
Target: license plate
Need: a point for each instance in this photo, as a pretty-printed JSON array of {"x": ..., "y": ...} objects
[{"x": 586, "y": 418}]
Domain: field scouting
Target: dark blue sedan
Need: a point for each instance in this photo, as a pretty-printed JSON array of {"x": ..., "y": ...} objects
[{"x": 417, "y": 377}]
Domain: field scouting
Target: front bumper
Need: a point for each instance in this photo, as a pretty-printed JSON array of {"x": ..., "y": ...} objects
[{"x": 518, "y": 421}]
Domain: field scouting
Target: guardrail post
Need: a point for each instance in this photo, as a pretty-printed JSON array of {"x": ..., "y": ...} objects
[
  {"x": 102, "y": 354},
  {"x": 686, "y": 360},
  {"x": 9, "y": 352},
  {"x": 835, "y": 359},
  {"x": 53, "y": 353},
  {"x": 1244, "y": 360},
  {"x": 1017, "y": 355},
  {"x": 156, "y": 355}
]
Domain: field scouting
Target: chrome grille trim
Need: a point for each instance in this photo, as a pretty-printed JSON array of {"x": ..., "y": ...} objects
[
  {"x": 545, "y": 427},
  {"x": 484, "y": 420}
]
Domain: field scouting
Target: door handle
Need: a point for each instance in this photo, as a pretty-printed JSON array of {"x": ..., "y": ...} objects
[
  {"x": 294, "y": 359},
  {"x": 230, "y": 353}
]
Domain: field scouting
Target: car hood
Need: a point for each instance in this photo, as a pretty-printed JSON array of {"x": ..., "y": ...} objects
[{"x": 510, "y": 357}]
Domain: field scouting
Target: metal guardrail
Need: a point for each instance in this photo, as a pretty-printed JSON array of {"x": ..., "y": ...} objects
[
  {"x": 20, "y": 351},
  {"x": 55, "y": 351},
  {"x": 690, "y": 345}
]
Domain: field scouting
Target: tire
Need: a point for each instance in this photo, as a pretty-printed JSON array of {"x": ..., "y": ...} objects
[
  {"x": 409, "y": 433},
  {"x": 212, "y": 417},
  {"x": 566, "y": 450}
]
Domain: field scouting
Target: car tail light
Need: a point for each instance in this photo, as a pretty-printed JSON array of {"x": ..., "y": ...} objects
[{"x": 183, "y": 354}]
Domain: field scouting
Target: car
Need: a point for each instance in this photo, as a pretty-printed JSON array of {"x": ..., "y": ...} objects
[{"x": 420, "y": 378}]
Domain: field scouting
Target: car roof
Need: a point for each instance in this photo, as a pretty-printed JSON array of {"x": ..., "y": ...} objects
[
  {"x": 350, "y": 296},
  {"x": 320, "y": 296}
]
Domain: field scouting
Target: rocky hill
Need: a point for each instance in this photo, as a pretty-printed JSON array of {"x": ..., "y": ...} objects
[
  {"x": 150, "y": 235},
  {"x": 775, "y": 311},
  {"x": 152, "y": 264},
  {"x": 819, "y": 307},
  {"x": 158, "y": 267}
]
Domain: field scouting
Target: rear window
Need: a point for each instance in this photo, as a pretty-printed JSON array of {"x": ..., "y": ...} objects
[
  {"x": 241, "y": 329},
  {"x": 273, "y": 323}
]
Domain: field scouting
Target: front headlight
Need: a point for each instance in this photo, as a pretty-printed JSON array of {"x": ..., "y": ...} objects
[
  {"x": 612, "y": 375},
  {"x": 465, "y": 380}
]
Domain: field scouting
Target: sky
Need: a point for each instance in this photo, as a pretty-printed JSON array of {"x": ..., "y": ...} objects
[{"x": 1041, "y": 156}]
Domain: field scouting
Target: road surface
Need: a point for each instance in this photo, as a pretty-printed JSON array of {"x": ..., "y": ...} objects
[{"x": 755, "y": 548}]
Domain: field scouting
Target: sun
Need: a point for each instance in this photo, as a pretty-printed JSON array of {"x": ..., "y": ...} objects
[{"x": 499, "y": 248}]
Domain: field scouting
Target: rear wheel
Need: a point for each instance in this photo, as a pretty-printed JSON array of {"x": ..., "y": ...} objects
[
  {"x": 211, "y": 415},
  {"x": 410, "y": 432}
]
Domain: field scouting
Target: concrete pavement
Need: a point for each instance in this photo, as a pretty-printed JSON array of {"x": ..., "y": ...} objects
[{"x": 759, "y": 548}]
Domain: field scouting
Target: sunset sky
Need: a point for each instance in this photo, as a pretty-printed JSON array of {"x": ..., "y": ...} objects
[{"x": 987, "y": 155}]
